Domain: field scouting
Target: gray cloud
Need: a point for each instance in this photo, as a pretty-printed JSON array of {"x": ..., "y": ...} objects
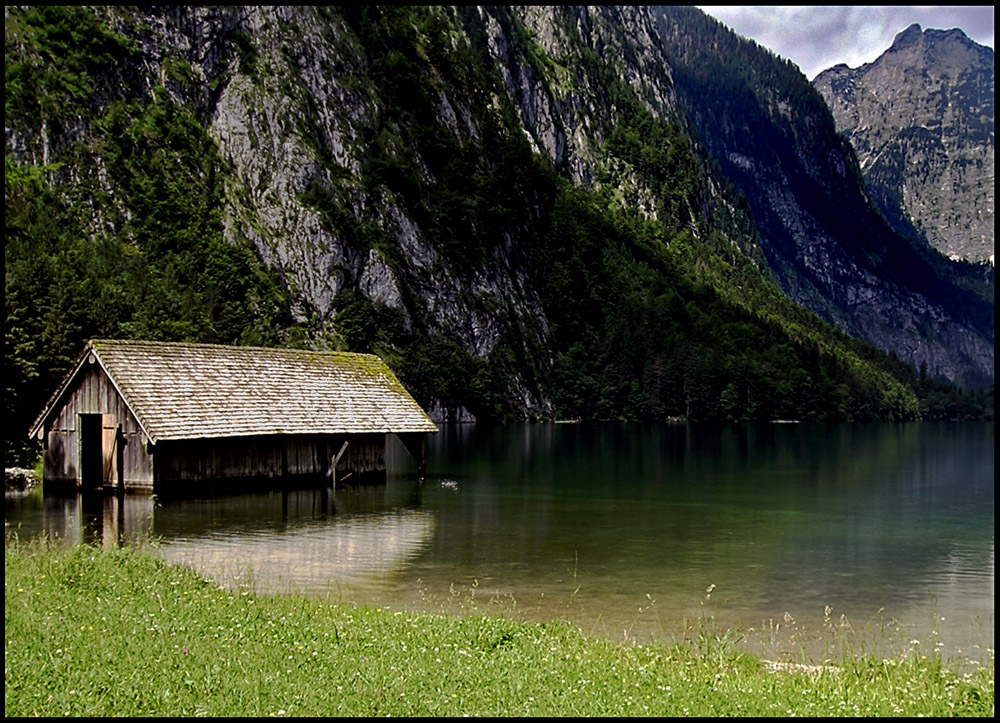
[{"x": 819, "y": 37}]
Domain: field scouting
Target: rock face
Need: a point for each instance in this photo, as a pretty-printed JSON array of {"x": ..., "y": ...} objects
[
  {"x": 832, "y": 251},
  {"x": 920, "y": 119}
]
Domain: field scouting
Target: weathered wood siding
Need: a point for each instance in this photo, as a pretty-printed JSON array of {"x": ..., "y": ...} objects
[
  {"x": 269, "y": 457},
  {"x": 95, "y": 394},
  {"x": 363, "y": 461},
  {"x": 242, "y": 457}
]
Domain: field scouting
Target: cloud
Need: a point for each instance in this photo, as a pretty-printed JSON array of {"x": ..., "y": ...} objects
[{"x": 819, "y": 37}]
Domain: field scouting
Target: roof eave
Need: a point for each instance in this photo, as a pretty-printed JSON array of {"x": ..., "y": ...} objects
[
  {"x": 54, "y": 401},
  {"x": 284, "y": 432},
  {"x": 57, "y": 395}
]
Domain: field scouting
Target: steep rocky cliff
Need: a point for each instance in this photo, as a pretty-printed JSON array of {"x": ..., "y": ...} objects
[
  {"x": 775, "y": 139},
  {"x": 920, "y": 119},
  {"x": 348, "y": 138}
]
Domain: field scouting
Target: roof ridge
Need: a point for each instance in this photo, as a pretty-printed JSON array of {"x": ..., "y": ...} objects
[{"x": 93, "y": 343}]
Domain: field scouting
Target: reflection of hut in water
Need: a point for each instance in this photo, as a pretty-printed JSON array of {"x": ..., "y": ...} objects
[
  {"x": 142, "y": 415},
  {"x": 351, "y": 550},
  {"x": 105, "y": 520}
]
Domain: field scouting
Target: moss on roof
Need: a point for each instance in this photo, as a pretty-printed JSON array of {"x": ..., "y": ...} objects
[{"x": 183, "y": 391}]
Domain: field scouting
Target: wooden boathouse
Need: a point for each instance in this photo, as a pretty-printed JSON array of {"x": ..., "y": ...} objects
[{"x": 151, "y": 416}]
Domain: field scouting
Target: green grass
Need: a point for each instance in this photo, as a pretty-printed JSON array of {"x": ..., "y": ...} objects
[{"x": 91, "y": 632}]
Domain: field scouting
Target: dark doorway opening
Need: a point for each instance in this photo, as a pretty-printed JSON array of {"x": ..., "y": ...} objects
[
  {"x": 91, "y": 452},
  {"x": 101, "y": 455}
]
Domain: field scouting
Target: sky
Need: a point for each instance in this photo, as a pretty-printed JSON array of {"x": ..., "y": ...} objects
[{"x": 818, "y": 37}]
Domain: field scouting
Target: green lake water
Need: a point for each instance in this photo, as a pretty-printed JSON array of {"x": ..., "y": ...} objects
[{"x": 810, "y": 539}]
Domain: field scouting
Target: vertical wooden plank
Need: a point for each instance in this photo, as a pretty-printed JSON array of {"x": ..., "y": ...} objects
[{"x": 109, "y": 448}]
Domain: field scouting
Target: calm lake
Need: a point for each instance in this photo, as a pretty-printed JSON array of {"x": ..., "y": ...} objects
[{"x": 878, "y": 534}]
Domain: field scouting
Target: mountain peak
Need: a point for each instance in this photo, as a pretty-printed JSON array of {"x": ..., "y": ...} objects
[
  {"x": 908, "y": 37},
  {"x": 934, "y": 40},
  {"x": 920, "y": 119}
]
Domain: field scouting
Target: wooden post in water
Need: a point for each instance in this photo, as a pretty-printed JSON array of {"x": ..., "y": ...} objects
[
  {"x": 120, "y": 442},
  {"x": 333, "y": 464},
  {"x": 416, "y": 445},
  {"x": 422, "y": 462}
]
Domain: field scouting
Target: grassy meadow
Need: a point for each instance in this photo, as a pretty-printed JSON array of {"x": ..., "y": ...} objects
[{"x": 118, "y": 632}]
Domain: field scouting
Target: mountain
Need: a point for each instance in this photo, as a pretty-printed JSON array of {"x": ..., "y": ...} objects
[
  {"x": 511, "y": 206},
  {"x": 920, "y": 119},
  {"x": 831, "y": 249}
]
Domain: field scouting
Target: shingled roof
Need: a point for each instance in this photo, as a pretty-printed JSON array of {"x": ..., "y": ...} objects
[{"x": 188, "y": 391}]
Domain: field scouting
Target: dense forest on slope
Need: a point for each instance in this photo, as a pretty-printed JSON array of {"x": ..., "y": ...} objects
[{"x": 116, "y": 194}]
